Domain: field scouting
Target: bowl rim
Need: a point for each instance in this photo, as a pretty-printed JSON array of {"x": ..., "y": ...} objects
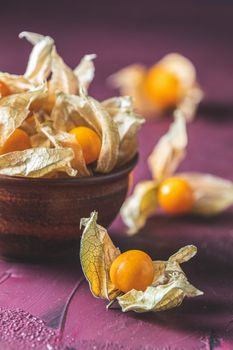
[{"x": 103, "y": 178}]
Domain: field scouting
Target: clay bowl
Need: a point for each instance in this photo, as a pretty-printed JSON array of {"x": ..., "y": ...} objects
[{"x": 39, "y": 218}]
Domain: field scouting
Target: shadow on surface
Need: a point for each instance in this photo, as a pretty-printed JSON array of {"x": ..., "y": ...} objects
[{"x": 216, "y": 111}]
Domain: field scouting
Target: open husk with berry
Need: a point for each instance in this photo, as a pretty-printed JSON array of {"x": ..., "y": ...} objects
[
  {"x": 170, "y": 84},
  {"x": 51, "y": 127},
  {"x": 175, "y": 193},
  {"x": 132, "y": 279}
]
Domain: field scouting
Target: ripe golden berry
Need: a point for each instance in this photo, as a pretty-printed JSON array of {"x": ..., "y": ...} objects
[
  {"x": 132, "y": 270},
  {"x": 162, "y": 87},
  {"x": 18, "y": 141},
  {"x": 175, "y": 196},
  {"x": 4, "y": 90},
  {"x": 89, "y": 141}
]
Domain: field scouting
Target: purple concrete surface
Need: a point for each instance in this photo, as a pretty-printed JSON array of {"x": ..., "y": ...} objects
[{"x": 49, "y": 306}]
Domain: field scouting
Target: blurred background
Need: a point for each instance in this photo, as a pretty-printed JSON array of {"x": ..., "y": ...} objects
[{"x": 125, "y": 31}]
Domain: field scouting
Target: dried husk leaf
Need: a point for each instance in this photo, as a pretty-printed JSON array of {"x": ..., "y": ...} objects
[
  {"x": 184, "y": 254},
  {"x": 14, "y": 109},
  {"x": 32, "y": 38},
  {"x": 95, "y": 113},
  {"x": 182, "y": 67},
  {"x": 85, "y": 71},
  {"x": 159, "y": 273},
  {"x": 128, "y": 123},
  {"x": 139, "y": 206},
  {"x": 168, "y": 289},
  {"x": 188, "y": 105},
  {"x": 29, "y": 125},
  {"x": 63, "y": 139},
  {"x": 159, "y": 298},
  {"x": 37, "y": 162},
  {"x": 44, "y": 103},
  {"x": 40, "y": 140},
  {"x": 170, "y": 150},
  {"x": 115, "y": 105},
  {"x": 212, "y": 193},
  {"x": 16, "y": 83},
  {"x": 39, "y": 64},
  {"x": 97, "y": 252},
  {"x": 63, "y": 78},
  {"x": 129, "y": 81},
  {"x": 65, "y": 113}
]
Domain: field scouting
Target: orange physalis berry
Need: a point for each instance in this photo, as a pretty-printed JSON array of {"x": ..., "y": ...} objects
[
  {"x": 4, "y": 90},
  {"x": 31, "y": 120},
  {"x": 18, "y": 141},
  {"x": 89, "y": 141},
  {"x": 132, "y": 270},
  {"x": 162, "y": 87},
  {"x": 175, "y": 196}
]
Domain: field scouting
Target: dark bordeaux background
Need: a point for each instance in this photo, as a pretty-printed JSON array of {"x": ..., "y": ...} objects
[{"x": 126, "y": 31}]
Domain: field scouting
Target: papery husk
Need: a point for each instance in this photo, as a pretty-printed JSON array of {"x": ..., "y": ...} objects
[
  {"x": 97, "y": 253},
  {"x": 139, "y": 206},
  {"x": 94, "y": 112},
  {"x": 65, "y": 113},
  {"x": 85, "y": 71},
  {"x": 14, "y": 109},
  {"x": 129, "y": 81},
  {"x": 191, "y": 93},
  {"x": 44, "y": 103},
  {"x": 170, "y": 150},
  {"x": 212, "y": 194},
  {"x": 169, "y": 292},
  {"x": 39, "y": 64},
  {"x": 189, "y": 104},
  {"x": 182, "y": 67},
  {"x": 16, "y": 83},
  {"x": 40, "y": 140},
  {"x": 128, "y": 122},
  {"x": 37, "y": 162},
  {"x": 32, "y": 38},
  {"x": 29, "y": 125},
  {"x": 184, "y": 254},
  {"x": 120, "y": 104},
  {"x": 63, "y": 78},
  {"x": 63, "y": 139}
]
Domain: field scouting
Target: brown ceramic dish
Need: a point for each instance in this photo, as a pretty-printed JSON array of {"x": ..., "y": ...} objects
[{"x": 39, "y": 218}]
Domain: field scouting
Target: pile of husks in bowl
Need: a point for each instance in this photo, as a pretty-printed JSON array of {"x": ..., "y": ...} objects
[{"x": 51, "y": 127}]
